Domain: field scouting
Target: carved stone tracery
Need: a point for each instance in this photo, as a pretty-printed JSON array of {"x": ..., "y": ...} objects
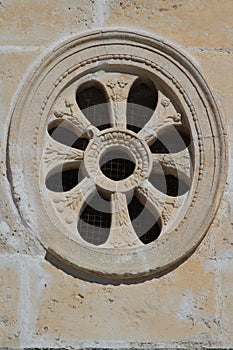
[{"x": 174, "y": 111}]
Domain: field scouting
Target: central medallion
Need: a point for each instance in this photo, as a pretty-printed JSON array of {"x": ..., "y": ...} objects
[{"x": 117, "y": 160}]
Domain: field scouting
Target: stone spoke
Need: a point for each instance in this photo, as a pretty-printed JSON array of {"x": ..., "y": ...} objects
[
  {"x": 152, "y": 198},
  {"x": 122, "y": 234},
  {"x": 70, "y": 112},
  {"x": 164, "y": 114},
  {"x": 69, "y": 204},
  {"x": 164, "y": 206},
  {"x": 158, "y": 203},
  {"x": 177, "y": 164},
  {"x": 56, "y": 155},
  {"x": 118, "y": 113},
  {"x": 117, "y": 88}
]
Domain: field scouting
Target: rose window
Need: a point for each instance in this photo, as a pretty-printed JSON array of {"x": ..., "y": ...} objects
[
  {"x": 118, "y": 159},
  {"x": 116, "y": 155}
]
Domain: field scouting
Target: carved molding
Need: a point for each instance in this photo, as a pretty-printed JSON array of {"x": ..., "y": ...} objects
[{"x": 53, "y": 216}]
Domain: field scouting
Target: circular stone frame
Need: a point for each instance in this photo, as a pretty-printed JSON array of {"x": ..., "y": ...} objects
[
  {"x": 129, "y": 142},
  {"x": 57, "y": 70}
]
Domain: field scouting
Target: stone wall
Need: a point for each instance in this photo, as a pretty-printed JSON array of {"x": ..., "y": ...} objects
[{"x": 40, "y": 305}]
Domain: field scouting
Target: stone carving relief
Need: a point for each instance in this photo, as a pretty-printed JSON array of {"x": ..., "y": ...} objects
[
  {"x": 148, "y": 166},
  {"x": 118, "y": 89}
]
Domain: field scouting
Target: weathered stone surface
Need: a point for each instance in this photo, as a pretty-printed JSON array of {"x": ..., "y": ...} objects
[
  {"x": 13, "y": 66},
  {"x": 35, "y": 24},
  {"x": 43, "y": 157},
  {"x": 170, "y": 309},
  {"x": 10, "y": 300},
  {"x": 190, "y": 23},
  {"x": 41, "y": 306}
]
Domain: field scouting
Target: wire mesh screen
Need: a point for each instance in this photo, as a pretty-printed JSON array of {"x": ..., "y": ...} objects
[
  {"x": 117, "y": 164},
  {"x": 142, "y": 101},
  {"x": 137, "y": 116},
  {"x": 94, "y": 106},
  {"x": 118, "y": 169},
  {"x": 144, "y": 222},
  {"x": 169, "y": 184},
  {"x": 95, "y": 221},
  {"x": 67, "y": 137},
  {"x": 64, "y": 181}
]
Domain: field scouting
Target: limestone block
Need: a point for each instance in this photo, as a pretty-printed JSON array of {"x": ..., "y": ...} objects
[
  {"x": 38, "y": 23},
  {"x": 191, "y": 23},
  {"x": 13, "y": 66},
  {"x": 10, "y": 298},
  {"x": 217, "y": 67},
  {"x": 179, "y": 307},
  {"x": 225, "y": 290},
  {"x": 22, "y": 282}
]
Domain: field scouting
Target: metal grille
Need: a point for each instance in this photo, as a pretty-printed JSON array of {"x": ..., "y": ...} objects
[
  {"x": 64, "y": 181},
  {"x": 93, "y": 104},
  {"x": 175, "y": 186},
  {"x": 137, "y": 116},
  {"x": 95, "y": 221},
  {"x": 142, "y": 102},
  {"x": 68, "y": 137},
  {"x": 168, "y": 184},
  {"x": 118, "y": 169},
  {"x": 94, "y": 224},
  {"x": 173, "y": 140},
  {"x": 116, "y": 164},
  {"x": 172, "y": 185},
  {"x": 144, "y": 222},
  {"x": 158, "y": 147}
]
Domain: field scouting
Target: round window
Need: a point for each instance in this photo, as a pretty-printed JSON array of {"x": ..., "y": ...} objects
[{"x": 117, "y": 154}]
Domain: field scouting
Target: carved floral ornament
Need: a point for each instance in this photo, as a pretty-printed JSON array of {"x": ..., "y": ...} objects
[{"x": 117, "y": 154}]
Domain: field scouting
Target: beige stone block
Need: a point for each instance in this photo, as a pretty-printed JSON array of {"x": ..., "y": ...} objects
[
  {"x": 180, "y": 306},
  {"x": 192, "y": 23},
  {"x": 22, "y": 282},
  {"x": 225, "y": 291},
  {"x": 72, "y": 311},
  {"x": 9, "y": 302},
  {"x": 222, "y": 232},
  {"x": 42, "y": 23},
  {"x": 218, "y": 242},
  {"x": 187, "y": 304},
  {"x": 56, "y": 309},
  {"x": 216, "y": 68},
  {"x": 13, "y": 66}
]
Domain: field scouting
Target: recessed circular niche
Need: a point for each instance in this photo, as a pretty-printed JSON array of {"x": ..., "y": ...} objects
[
  {"x": 117, "y": 154},
  {"x": 116, "y": 164}
]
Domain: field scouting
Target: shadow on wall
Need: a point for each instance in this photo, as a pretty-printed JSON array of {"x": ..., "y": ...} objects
[{"x": 101, "y": 279}]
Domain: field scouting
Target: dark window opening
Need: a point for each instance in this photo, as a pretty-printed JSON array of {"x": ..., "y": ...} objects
[
  {"x": 64, "y": 181},
  {"x": 95, "y": 221},
  {"x": 169, "y": 184},
  {"x": 68, "y": 137},
  {"x": 142, "y": 101},
  {"x": 93, "y": 103},
  {"x": 172, "y": 139},
  {"x": 117, "y": 165},
  {"x": 158, "y": 147},
  {"x": 145, "y": 224}
]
